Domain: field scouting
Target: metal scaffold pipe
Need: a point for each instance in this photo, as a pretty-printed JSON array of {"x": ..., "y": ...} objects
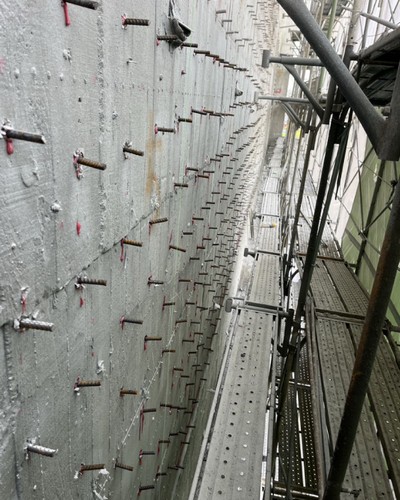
[{"x": 370, "y": 119}]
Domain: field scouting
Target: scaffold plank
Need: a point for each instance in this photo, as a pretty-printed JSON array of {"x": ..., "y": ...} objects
[
  {"x": 270, "y": 204},
  {"x": 384, "y": 391},
  {"x": 349, "y": 289},
  {"x": 324, "y": 293},
  {"x": 268, "y": 235},
  {"x": 367, "y": 471},
  {"x": 265, "y": 286},
  {"x": 233, "y": 463}
]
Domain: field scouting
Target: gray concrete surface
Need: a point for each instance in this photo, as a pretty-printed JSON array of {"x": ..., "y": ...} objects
[{"x": 93, "y": 86}]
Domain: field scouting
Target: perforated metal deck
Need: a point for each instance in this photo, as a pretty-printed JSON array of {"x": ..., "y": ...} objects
[
  {"x": 268, "y": 239},
  {"x": 367, "y": 469},
  {"x": 233, "y": 465},
  {"x": 265, "y": 286}
]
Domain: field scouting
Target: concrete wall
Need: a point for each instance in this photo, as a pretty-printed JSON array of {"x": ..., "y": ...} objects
[{"x": 93, "y": 86}]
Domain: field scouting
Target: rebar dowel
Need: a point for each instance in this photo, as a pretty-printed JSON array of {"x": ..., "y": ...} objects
[
  {"x": 88, "y": 383},
  {"x": 118, "y": 465},
  {"x": 31, "y": 324},
  {"x": 133, "y": 321},
  {"x": 154, "y": 282},
  {"x": 127, "y": 392},
  {"x": 41, "y": 450},
  {"x": 85, "y": 468},
  {"x": 90, "y": 163},
  {"x": 149, "y": 410},
  {"x": 167, "y": 38},
  {"x": 158, "y": 221},
  {"x": 180, "y": 249},
  {"x": 129, "y": 21},
  {"x": 88, "y": 4},
  {"x": 132, "y": 242},
  {"x": 166, "y": 129},
  {"x": 23, "y": 136},
  {"x": 132, "y": 151},
  {"x": 82, "y": 280}
]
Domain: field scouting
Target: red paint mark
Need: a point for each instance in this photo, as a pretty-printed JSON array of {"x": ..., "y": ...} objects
[
  {"x": 155, "y": 129},
  {"x": 122, "y": 322},
  {"x": 9, "y": 146},
  {"x": 23, "y": 302},
  {"x": 2, "y": 65},
  {"x": 81, "y": 302},
  {"x": 66, "y": 14},
  {"x": 78, "y": 228},
  {"x": 122, "y": 254}
]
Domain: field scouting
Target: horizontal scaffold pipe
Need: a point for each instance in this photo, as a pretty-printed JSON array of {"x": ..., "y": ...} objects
[
  {"x": 294, "y": 100},
  {"x": 370, "y": 119}
]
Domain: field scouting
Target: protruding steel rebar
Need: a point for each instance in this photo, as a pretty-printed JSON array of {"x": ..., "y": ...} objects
[
  {"x": 148, "y": 487},
  {"x": 10, "y": 133},
  {"x": 167, "y": 351},
  {"x": 165, "y": 130},
  {"x": 126, "y": 392},
  {"x": 89, "y": 4},
  {"x": 158, "y": 221},
  {"x": 149, "y": 410},
  {"x": 132, "y": 321},
  {"x": 132, "y": 242},
  {"x": 168, "y": 38},
  {"x": 130, "y": 21},
  {"x": 150, "y": 281},
  {"x": 83, "y": 280},
  {"x": 90, "y": 163},
  {"x": 180, "y": 249},
  {"x": 32, "y": 324},
  {"x": 127, "y": 149},
  {"x": 85, "y": 468},
  {"x": 88, "y": 383},
  {"x": 41, "y": 450},
  {"x": 118, "y": 465}
]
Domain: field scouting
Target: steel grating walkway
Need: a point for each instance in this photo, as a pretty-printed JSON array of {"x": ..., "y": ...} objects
[{"x": 235, "y": 451}]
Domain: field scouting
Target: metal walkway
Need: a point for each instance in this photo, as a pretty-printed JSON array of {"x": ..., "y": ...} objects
[{"x": 296, "y": 461}]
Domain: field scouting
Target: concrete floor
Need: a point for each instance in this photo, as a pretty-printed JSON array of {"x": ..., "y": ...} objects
[{"x": 91, "y": 87}]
